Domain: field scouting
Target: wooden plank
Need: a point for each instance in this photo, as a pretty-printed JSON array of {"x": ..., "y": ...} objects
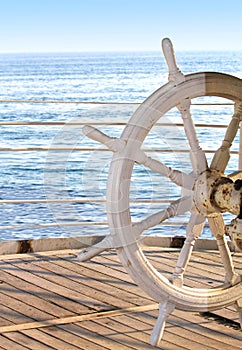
[
  {"x": 102, "y": 274},
  {"x": 8, "y": 344},
  {"x": 213, "y": 329},
  {"x": 137, "y": 337},
  {"x": 33, "y": 338},
  {"x": 178, "y": 331},
  {"x": 104, "y": 293},
  {"x": 26, "y": 313},
  {"x": 193, "y": 328},
  {"x": 120, "y": 340},
  {"x": 57, "y": 276},
  {"x": 78, "y": 338},
  {"x": 57, "y": 288},
  {"x": 25, "y": 294},
  {"x": 213, "y": 261},
  {"x": 111, "y": 259},
  {"x": 93, "y": 335},
  {"x": 26, "y": 288},
  {"x": 20, "y": 339},
  {"x": 3, "y": 321},
  {"x": 52, "y": 338},
  {"x": 99, "y": 280},
  {"x": 199, "y": 334},
  {"x": 10, "y": 314},
  {"x": 194, "y": 275},
  {"x": 45, "y": 340},
  {"x": 70, "y": 319},
  {"x": 141, "y": 328},
  {"x": 100, "y": 263},
  {"x": 210, "y": 329},
  {"x": 165, "y": 262},
  {"x": 228, "y": 313}
]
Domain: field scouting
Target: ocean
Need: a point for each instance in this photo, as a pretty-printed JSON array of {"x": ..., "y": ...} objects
[{"x": 111, "y": 85}]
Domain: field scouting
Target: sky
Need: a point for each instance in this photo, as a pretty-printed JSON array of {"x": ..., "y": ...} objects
[{"x": 119, "y": 25}]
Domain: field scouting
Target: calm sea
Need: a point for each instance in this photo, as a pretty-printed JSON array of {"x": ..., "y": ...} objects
[{"x": 89, "y": 77}]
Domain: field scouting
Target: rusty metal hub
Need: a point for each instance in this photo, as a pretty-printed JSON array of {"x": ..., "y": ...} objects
[
  {"x": 216, "y": 193},
  {"x": 213, "y": 194}
]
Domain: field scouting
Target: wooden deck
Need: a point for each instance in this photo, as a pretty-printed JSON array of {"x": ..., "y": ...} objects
[{"x": 50, "y": 300}]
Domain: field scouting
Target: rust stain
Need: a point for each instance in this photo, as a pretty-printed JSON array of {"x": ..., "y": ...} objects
[
  {"x": 25, "y": 247},
  {"x": 177, "y": 242},
  {"x": 225, "y": 192}
]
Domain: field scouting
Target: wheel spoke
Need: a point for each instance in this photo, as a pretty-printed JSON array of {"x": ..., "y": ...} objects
[
  {"x": 194, "y": 229},
  {"x": 178, "y": 207},
  {"x": 178, "y": 177},
  {"x": 198, "y": 158},
  {"x": 217, "y": 228},
  {"x": 222, "y": 155}
]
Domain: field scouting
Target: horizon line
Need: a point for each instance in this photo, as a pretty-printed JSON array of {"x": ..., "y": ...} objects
[{"x": 115, "y": 51}]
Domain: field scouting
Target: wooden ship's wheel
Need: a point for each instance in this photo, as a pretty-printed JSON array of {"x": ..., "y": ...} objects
[{"x": 208, "y": 193}]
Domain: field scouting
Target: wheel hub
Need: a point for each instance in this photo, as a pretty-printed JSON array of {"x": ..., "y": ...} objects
[{"x": 216, "y": 193}]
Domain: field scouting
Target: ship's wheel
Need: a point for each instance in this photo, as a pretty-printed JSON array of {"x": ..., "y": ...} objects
[{"x": 206, "y": 193}]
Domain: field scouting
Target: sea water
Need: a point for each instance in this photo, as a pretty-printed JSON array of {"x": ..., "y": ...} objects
[{"x": 113, "y": 77}]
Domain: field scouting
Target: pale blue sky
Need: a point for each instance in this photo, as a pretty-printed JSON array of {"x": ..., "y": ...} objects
[{"x": 110, "y": 25}]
